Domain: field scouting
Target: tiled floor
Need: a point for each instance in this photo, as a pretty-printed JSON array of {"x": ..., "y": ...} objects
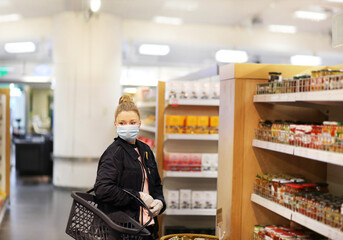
[{"x": 37, "y": 210}]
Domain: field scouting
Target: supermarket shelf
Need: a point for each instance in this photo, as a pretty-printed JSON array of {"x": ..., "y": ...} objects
[
  {"x": 146, "y": 104},
  {"x": 191, "y": 212},
  {"x": 272, "y": 206},
  {"x": 190, "y": 174},
  {"x": 310, "y": 223},
  {"x": 318, "y": 155},
  {"x": 148, "y": 128},
  {"x": 319, "y": 96},
  {"x": 278, "y": 147},
  {"x": 318, "y": 227},
  {"x": 194, "y": 102},
  {"x": 208, "y": 137},
  {"x": 3, "y": 209}
]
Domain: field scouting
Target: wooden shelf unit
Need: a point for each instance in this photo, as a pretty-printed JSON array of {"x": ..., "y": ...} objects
[
  {"x": 239, "y": 161},
  {"x": 5, "y": 148}
]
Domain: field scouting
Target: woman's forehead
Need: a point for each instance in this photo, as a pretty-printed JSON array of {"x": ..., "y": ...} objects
[{"x": 127, "y": 115}]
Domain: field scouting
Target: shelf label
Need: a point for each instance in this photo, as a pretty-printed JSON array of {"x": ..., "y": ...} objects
[{"x": 174, "y": 102}]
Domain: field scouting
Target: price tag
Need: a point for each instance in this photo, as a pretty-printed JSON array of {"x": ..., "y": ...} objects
[{"x": 173, "y": 102}]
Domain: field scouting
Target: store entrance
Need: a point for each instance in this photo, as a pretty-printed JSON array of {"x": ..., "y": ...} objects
[{"x": 31, "y": 107}]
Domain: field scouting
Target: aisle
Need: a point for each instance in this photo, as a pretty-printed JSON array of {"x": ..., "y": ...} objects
[{"x": 37, "y": 211}]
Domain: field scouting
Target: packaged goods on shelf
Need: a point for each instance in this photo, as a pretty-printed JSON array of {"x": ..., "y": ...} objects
[
  {"x": 209, "y": 162},
  {"x": 198, "y": 199},
  {"x": 201, "y": 90},
  {"x": 327, "y": 136},
  {"x": 185, "y": 198},
  {"x": 321, "y": 80},
  {"x": 283, "y": 233},
  {"x": 210, "y": 199},
  {"x": 145, "y": 94},
  {"x": 189, "y": 199},
  {"x": 173, "y": 199},
  {"x": 176, "y": 124},
  {"x": 149, "y": 120},
  {"x": 309, "y": 199},
  {"x": 149, "y": 141},
  {"x": 194, "y": 162}
]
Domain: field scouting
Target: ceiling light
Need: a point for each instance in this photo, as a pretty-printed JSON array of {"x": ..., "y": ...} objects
[
  {"x": 168, "y": 20},
  {"x": 10, "y": 17},
  {"x": 20, "y": 47},
  {"x": 154, "y": 49},
  {"x": 231, "y": 56},
  {"x": 306, "y": 60},
  {"x": 282, "y": 28},
  {"x": 337, "y": 1},
  {"x": 95, "y": 5},
  {"x": 314, "y": 16}
]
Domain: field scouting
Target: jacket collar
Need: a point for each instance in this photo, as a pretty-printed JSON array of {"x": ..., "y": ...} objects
[{"x": 129, "y": 149}]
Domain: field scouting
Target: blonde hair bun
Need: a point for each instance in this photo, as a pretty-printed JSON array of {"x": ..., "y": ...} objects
[{"x": 125, "y": 98}]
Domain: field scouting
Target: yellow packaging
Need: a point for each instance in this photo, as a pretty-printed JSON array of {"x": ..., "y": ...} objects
[
  {"x": 214, "y": 124},
  {"x": 203, "y": 122},
  {"x": 182, "y": 120},
  {"x": 172, "y": 123},
  {"x": 191, "y": 124}
]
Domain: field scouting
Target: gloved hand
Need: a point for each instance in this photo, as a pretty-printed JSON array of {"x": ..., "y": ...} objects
[
  {"x": 146, "y": 198},
  {"x": 156, "y": 207}
]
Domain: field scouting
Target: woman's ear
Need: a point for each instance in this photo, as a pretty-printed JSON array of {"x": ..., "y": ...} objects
[{"x": 115, "y": 124}]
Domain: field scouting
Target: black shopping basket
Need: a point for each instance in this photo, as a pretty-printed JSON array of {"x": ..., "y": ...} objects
[{"x": 87, "y": 222}]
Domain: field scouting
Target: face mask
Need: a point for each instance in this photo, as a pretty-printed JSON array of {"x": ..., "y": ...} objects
[{"x": 128, "y": 132}]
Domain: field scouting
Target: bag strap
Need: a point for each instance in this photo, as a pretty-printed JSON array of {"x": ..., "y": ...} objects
[{"x": 90, "y": 190}]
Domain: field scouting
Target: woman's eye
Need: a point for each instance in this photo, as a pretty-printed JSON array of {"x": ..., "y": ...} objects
[{"x": 133, "y": 123}]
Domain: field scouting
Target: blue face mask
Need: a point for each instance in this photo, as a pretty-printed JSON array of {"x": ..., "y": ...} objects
[{"x": 128, "y": 132}]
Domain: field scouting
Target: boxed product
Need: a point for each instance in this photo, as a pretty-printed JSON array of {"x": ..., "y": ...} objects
[
  {"x": 205, "y": 90},
  {"x": 173, "y": 199},
  {"x": 195, "y": 162},
  {"x": 191, "y": 124},
  {"x": 185, "y": 162},
  {"x": 185, "y": 198},
  {"x": 209, "y": 162},
  {"x": 202, "y": 124},
  {"x": 174, "y": 124},
  {"x": 210, "y": 199},
  {"x": 198, "y": 199},
  {"x": 172, "y": 161},
  {"x": 214, "y": 124}
]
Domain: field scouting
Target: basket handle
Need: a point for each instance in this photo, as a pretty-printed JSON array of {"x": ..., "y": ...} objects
[{"x": 145, "y": 206}]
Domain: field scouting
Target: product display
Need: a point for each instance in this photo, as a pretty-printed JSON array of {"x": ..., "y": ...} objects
[
  {"x": 284, "y": 233},
  {"x": 189, "y": 199},
  {"x": 309, "y": 199},
  {"x": 327, "y": 136},
  {"x": 176, "y": 124},
  {"x": 149, "y": 141},
  {"x": 191, "y": 162},
  {"x": 321, "y": 80},
  {"x": 200, "y": 90}
]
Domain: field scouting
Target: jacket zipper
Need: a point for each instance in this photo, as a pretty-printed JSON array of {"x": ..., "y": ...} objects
[{"x": 142, "y": 185}]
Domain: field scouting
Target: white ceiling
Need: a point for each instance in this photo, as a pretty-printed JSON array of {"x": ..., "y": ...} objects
[
  {"x": 257, "y": 14},
  {"x": 247, "y": 13}
]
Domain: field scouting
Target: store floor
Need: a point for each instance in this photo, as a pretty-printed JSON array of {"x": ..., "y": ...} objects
[{"x": 37, "y": 210}]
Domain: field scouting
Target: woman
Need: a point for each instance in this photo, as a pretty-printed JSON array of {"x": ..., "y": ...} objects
[{"x": 129, "y": 164}]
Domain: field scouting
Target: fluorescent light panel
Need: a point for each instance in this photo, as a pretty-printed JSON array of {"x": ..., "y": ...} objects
[
  {"x": 308, "y": 15},
  {"x": 336, "y": 1},
  {"x": 306, "y": 60},
  {"x": 154, "y": 49},
  {"x": 20, "y": 47},
  {"x": 282, "y": 28},
  {"x": 10, "y": 17},
  {"x": 168, "y": 20},
  {"x": 231, "y": 56},
  {"x": 95, "y": 5}
]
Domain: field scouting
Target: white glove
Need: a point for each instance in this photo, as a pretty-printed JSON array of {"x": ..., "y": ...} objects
[
  {"x": 156, "y": 207},
  {"x": 146, "y": 198}
]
